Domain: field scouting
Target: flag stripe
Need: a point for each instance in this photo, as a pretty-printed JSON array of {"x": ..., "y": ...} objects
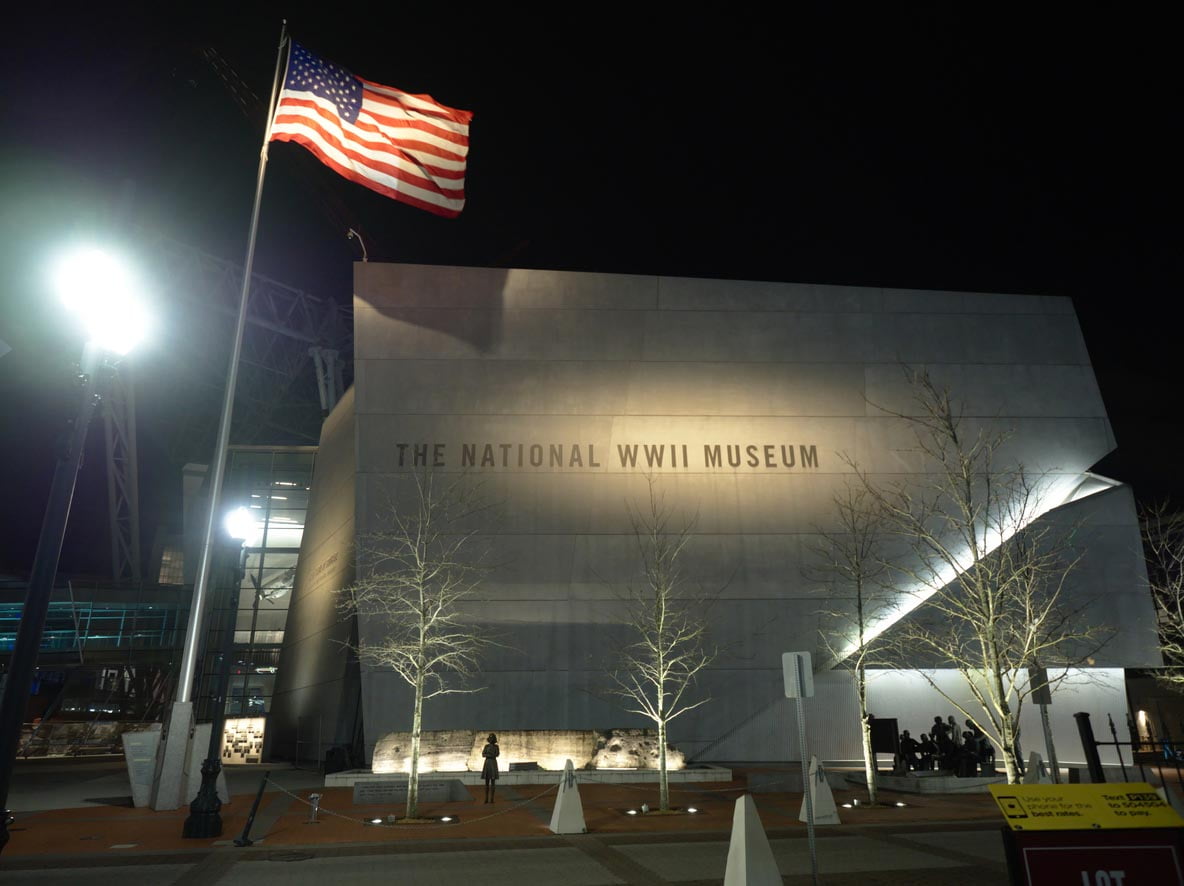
[
  {"x": 399, "y": 127},
  {"x": 348, "y": 156},
  {"x": 404, "y": 146},
  {"x": 447, "y": 118},
  {"x": 411, "y": 196},
  {"x": 424, "y": 103},
  {"x": 369, "y": 139},
  {"x": 410, "y": 132},
  {"x": 444, "y": 129},
  {"x": 386, "y": 178}
]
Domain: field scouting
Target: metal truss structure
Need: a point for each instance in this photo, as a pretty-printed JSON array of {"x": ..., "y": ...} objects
[
  {"x": 123, "y": 484},
  {"x": 296, "y": 351}
]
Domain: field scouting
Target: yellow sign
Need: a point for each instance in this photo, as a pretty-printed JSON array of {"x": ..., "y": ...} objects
[{"x": 1075, "y": 807}]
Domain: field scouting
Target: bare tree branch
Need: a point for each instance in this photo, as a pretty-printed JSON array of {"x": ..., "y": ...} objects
[
  {"x": 654, "y": 672},
  {"x": 989, "y": 577},
  {"x": 417, "y": 575},
  {"x": 850, "y": 560},
  {"x": 1163, "y": 543}
]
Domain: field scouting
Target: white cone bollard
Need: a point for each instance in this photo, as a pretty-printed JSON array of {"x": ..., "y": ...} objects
[
  {"x": 568, "y": 815},
  {"x": 825, "y": 811},
  {"x": 1037, "y": 772},
  {"x": 750, "y": 858},
  {"x": 1171, "y": 797}
]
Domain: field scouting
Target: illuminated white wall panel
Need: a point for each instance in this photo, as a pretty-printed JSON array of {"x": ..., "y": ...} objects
[{"x": 460, "y": 367}]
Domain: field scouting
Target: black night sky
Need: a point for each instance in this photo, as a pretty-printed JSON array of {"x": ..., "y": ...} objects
[{"x": 1001, "y": 151}]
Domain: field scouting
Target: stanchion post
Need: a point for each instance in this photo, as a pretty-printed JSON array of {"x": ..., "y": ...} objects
[
  {"x": 314, "y": 801},
  {"x": 245, "y": 838}
]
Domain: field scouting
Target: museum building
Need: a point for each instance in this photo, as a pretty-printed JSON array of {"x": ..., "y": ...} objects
[{"x": 745, "y": 402}]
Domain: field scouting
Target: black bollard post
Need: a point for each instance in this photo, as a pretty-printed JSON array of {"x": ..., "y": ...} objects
[
  {"x": 1089, "y": 747},
  {"x": 205, "y": 819},
  {"x": 245, "y": 838},
  {"x": 1117, "y": 747}
]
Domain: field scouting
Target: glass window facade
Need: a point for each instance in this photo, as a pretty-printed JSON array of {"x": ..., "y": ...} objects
[
  {"x": 94, "y": 625},
  {"x": 254, "y": 582}
]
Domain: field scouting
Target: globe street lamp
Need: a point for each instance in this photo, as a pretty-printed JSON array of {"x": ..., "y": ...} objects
[
  {"x": 205, "y": 818},
  {"x": 102, "y": 293}
]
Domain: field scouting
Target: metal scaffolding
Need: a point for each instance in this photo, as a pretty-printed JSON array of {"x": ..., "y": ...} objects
[{"x": 297, "y": 350}]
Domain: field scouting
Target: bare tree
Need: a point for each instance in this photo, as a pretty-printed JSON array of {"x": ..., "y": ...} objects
[
  {"x": 989, "y": 578},
  {"x": 654, "y": 672},
  {"x": 850, "y": 557},
  {"x": 1163, "y": 544},
  {"x": 419, "y": 570}
]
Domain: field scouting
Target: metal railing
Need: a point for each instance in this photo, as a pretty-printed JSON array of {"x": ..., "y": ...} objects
[{"x": 1145, "y": 752}]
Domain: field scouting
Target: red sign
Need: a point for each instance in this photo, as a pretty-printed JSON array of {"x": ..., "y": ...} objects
[{"x": 1146, "y": 857}]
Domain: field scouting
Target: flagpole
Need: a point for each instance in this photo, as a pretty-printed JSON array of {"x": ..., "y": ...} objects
[
  {"x": 185, "y": 686},
  {"x": 197, "y": 608}
]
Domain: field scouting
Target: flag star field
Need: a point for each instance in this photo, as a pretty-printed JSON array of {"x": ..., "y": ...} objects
[{"x": 328, "y": 81}]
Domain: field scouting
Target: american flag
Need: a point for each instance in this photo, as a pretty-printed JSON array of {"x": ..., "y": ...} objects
[{"x": 404, "y": 146}]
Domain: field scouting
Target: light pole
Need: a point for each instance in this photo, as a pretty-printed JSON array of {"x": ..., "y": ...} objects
[
  {"x": 103, "y": 293},
  {"x": 205, "y": 812}
]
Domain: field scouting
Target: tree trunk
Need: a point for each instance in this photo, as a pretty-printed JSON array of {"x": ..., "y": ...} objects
[
  {"x": 1009, "y": 760},
  {"x": 1008, "y": 730},
  {"x": 413, "y": 775},
  {"x": 663, "y": 780},
  {"x": 869, "y": 758}
]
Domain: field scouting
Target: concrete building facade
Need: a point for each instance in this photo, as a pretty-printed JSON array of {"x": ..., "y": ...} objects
[{"x": 563, "y": 392}]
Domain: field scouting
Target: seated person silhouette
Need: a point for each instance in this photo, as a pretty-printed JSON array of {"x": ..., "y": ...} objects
[
  {"x": 967, "y": 756},
  {"x": 947, "y": 748},
  {"x": 928, "y": 751},
  {"x": 983, "y": 748},
  {"x": 910, "y": 752}
]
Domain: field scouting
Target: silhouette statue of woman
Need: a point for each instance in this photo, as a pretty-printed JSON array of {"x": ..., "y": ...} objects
[{"x": 489, "y": 770}]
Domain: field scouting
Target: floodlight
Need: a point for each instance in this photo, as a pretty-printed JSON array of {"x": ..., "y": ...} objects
[
  {"x": 106, "y": 296},
  {"x": 241, "y": 524}
]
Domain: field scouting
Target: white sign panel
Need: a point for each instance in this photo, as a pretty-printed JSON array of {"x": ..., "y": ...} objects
[{"x": 799, "y": 674}]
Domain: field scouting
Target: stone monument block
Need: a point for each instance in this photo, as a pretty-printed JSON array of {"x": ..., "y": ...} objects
[
  {"x": 448, "y": 750},
  {"x": 633, "y": 749},
  {"x": 139, "y": 750},
  {"x": 393, "y": 791},
  {"x": 550, "y": 748},
  {"x": 459, "y": 750}
]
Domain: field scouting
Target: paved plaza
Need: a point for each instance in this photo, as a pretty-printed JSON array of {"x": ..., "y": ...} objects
[{"x": 75, "y": 825}]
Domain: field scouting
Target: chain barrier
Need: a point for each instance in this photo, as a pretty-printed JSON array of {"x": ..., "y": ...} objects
[
  {"x": 317, "y": 807},
  {"x": 463, "y": 820},
  {"x": 585, "y": 777}
]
